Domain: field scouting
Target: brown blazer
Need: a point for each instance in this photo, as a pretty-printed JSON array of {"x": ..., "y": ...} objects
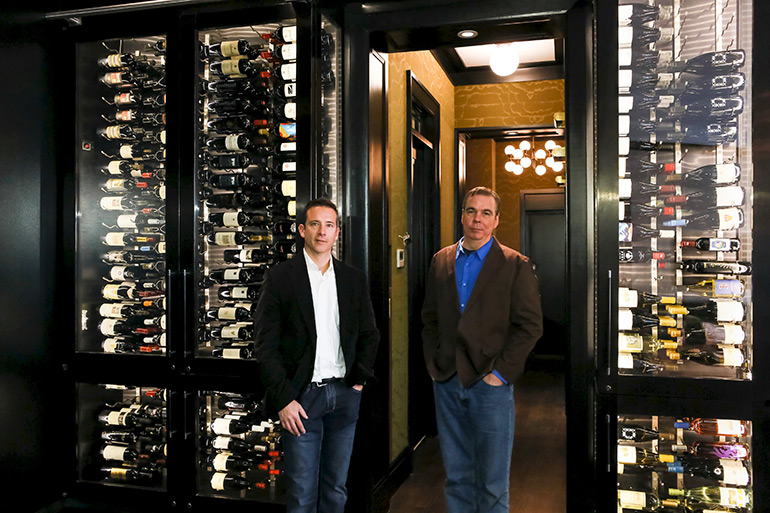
[{"x": 499, "y": 327}]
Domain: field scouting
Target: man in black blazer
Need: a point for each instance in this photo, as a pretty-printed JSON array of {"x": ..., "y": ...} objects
[
  {"x": 481, "y": 318},
  {"x": 316, "y": 341}
]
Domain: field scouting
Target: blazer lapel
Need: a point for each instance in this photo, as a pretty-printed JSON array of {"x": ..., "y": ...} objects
[
  {"x": 301, "y": 282},
  {"x": 492, "y": 263},
  {"x": 451, "y": 258}
]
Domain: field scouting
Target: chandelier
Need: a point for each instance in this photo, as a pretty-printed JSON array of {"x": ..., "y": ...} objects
[{"x": 527, "y": 155}]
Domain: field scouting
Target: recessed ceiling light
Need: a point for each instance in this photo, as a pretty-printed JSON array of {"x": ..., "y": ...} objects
[{"x": 467, "y": 34}]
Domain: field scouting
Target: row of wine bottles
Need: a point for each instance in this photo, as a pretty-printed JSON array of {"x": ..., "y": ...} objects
[
  {"x": 133, "y": 315},
  {"x": 132, "y": 442},
  {"x": 247, "y": 176},
  {"x": 687, "y": 464},
  {"x": 241, "y": 447}
]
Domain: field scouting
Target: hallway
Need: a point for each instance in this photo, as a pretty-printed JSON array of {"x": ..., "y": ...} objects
[{"x": 538, "y": 469}]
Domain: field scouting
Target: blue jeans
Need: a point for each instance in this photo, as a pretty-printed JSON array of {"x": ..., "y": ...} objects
[
  {"x": 475, "y": 429},
  {"x": 316, "y": 463}
]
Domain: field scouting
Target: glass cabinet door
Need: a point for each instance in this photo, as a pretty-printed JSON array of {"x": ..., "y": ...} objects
[
  {"x": 685, "y": 189},
  {"x": 247, "y": 175},
  {"x": 685, "y": 463},
  {"x": 122, "y": 434},
  {"x": 121, "y": 192}
]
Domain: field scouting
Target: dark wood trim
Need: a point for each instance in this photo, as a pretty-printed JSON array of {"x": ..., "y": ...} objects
[{"x": 398, "y": 472}]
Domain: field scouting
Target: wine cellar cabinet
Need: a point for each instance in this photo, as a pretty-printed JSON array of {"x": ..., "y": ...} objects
[
  {"x": 682, "y": 366},
  {"x": 186, "y": 143}
]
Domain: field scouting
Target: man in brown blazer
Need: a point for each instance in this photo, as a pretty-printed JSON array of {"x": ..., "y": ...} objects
[{"x": 481, "y": 319}]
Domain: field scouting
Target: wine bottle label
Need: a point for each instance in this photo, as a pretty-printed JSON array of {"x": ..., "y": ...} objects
[
  {"x": 221, "y": 426},
  {"x": 107, "y": 327},
  {"x": 119, "y": 473},
  {"x": 627, "y": 298},
  {"x": 733, "y": 357},
  {"x": 729, "y": 311},
  {"x": 289, "y": 167},
  {"x": 231, "y": 353},
  {"x": 162, "y": 137},
  {"x": 232, "y": 275},
  {"x": 292, "y": 208},
  {"x": 114, "y": 452},
  {"x": 118, "y": 272},
  {"x": 289, "y": 52},
  {"x": 287, "y": 130},
  {"x": 290, "y": 90},
  {"x": 719, "y": 244},
  {"x": 730, "y": 218},
  {"x": 221, "y": 442},
  {"x": 230, "y": 67},
  {"x": 230, "y": 219},
  {"x": 230, "y": 331},
  {"x": 729, "y": 427},
  {"x": 734, "y": 473},
  {"x": 289, "y": 71},
  {"x": 733, "y": 334},
  {"x": 231, "y": 142},
  {"x": 126, "y": 151},
  {"x": 220, "y": 462},
  {"x": 112, "y": 132},
  {"x": 624, "y": 188},
  {"x": 111, "y": 203},
  {"x": 632, "y": 500},
  {"x": 728, "y": 288},
  {"x": 245, "y": 255},
  {"x": 110, "y": 345},
  {"x": 226, "y": 314},
  {"x": 113, "y": 167},
  {"x": 625, "y": 319},
  {"x": 729, "y": 196},
  {"x": 624, "y": 59},
  {"x": 625, "y": 36},
  {"x": 240, "y": 292},
  {"x": 290, "y": 110},
  {"x": 161, "y": 248},
  {"x": 625, "y": 105},
  {"x": 125, "y": 115},
  {"x": 218, "y": 481},
  {"x": 115, "y": 78},
  {"x": 115, "y": 418},
  {"x": 289, "y": 188},
  {"x": 229, "y": 48},
  {"x": 726, "y": 173},
  {"x": 124, "y": 98},
  {"x": 127, "y": 221},
  {"x": 630, "y": 342},
  {"x": 111, "y": 310},
  {"x": 734, "y": 497},
  {"x": 225, "y": 239},
  {"x": 288, "y": 146},
  {"x": 289, "y": 34},
  {"x": 162, "y": 191},
  {"x": 625, "y": 361}
]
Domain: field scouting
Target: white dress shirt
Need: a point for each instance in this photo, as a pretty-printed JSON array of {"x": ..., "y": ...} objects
[{"x": 329, "y": 360}]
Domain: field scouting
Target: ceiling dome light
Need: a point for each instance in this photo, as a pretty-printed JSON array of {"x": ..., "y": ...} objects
[
  {"x": 524, "y": 145},
  {"x": 540, "y": 170},
  {"x": 517, "y": 169},
  {"x": 467, "y": 34},
  {"x": 510, "y": 166},
  {"x": 558, "y": 166},
  {"x": 509, "y": 150},
  {"x": 540, "y": 154},
  {"x": 550, "y": 144},
  {"x": 517, "y": 154},
  {"x": 549, "y": 161},
  {"x": 526, "y": 162},
  {"x": 504, "y": 59}
]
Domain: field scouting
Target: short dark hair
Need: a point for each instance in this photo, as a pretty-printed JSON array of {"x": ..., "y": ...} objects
[
  {"x": 483, "y": 191},
  {"x": 320, "y": 202}
]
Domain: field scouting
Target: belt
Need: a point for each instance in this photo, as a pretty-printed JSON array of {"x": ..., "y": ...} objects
[{"x": 326, "y": 381}]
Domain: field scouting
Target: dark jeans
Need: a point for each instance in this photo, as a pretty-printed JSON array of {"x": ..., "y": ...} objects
[
  {"x": 317, "y": 462},
  {"x": 475, "y": 429}
]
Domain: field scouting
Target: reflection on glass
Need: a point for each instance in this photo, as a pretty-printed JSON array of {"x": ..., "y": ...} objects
[
  {"x": 697, "y": 463},
  {"x": 685, "y": 189},
  {"x": 121, "y": 224},
  {"x": 240, "y": 448},
  {"x": 122, "y": 435},
  {"x": 331, "y": 112},
  {"x": 247, "y": 173}
]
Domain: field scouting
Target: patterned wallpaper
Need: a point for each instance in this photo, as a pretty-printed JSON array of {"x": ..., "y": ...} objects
[{"x": 514, "y": 104}]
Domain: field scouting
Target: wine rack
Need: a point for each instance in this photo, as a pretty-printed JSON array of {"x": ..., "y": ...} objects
[
  {"x": 121, "y": 197},
  {"x": 685, "y": 189},
  {"x": 240, "y": 453},
  {"x": 675, "y": 462},
  {"x": 123, "y": 435},
  {"x": 247, "y": 172}
]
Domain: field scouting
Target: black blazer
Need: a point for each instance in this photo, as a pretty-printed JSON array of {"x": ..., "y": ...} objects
[
  {"x": 285, "y": 332},
  {"x": 501, "y": 323}
]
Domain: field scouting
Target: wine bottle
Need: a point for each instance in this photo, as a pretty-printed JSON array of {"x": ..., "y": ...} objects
[
  {"x": 713, "y": 334},
  {"x": 118, "y": 291},
  {"x": 628, "y": 188},
  {"x": 710, "y": 63},
  {"x": 233, "y": 48},
  {"x": 141, "y": 221},
  {"x": 235, "y": 142},
  {"x": 284, "y": 34},
  {"x": 629, "y": 298},
  {"x": 728, "y": 472},
  {"x": 722, "y": 356},
  {"x": 722, "y": 219},
  {"x": 714, "y": 427},
  {"x": 628, "y": 232},
  {"x": 235, "y": 88},
  {"x": 138, "y": 475},
  {"x": 286, "y": 131},
  {"x": 142, "y": 151},
  {"x": 628, "y": 320},
  {"x": 722, "y": 108},
  {"x": 715, "y": 495},
  {"x": 239, "y": 274},
  {"x": 638, "y": 255},
  {"x": 228, "y": 313},
  {"x": 226, "y": 426},
  {"x": 717, "y": 197},
  {"x": 222, "y": 481},
  {"x": 239, "y": 67},
  {"x": 707, "y": 176},
  {"x": 228, "y": 443},
  {"x": 237, "y": 238},
  {"x": 713, "y": 244},
  {"x": 640, "y": 35},
  {"x": 641, "y": 363},
  {"x": 236, "y": 200},
  {"x": 639, "y": 501},
  {"x": 233, "y": 332},
  {"x": 712, "y": 451},
  {"x": 250, "y": 292},
  {"x": 130, "y": 239},
  {"x": 700, "y": 87},
  {"x": 716, "y": 267},
  {"x": 718, "y": 288},
  {"x": 636, "y": 167},
  {"x": 119, "y": 453},
  {"x": 635, "y": 433},
  {"x": 633, "y": 455},
  {"x": 235, "y": 352},
  {"x": 235, "y": 256},
  {"x": 233, "y": 124},
  {"x": 223, "y": 462},
  {"x": 228, "y": 219},
  {"x": 233, "y": 161},
  {"x": 637, "y": 343},
  {"x": 640, "y": 14}
]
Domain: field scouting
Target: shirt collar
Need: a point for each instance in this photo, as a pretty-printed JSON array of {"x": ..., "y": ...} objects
[
  {"x": 481, "y": 252},
  {"x": 312, "y": 267}
]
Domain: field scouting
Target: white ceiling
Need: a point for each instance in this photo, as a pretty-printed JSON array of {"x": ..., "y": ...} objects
[{"x": 541, "y": 50}]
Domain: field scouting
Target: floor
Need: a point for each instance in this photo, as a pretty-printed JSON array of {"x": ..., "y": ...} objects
[{"x": 538, "y": 467}]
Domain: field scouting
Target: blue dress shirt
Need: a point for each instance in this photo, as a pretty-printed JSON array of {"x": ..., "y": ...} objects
[{"x": 467, "y": 268}]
